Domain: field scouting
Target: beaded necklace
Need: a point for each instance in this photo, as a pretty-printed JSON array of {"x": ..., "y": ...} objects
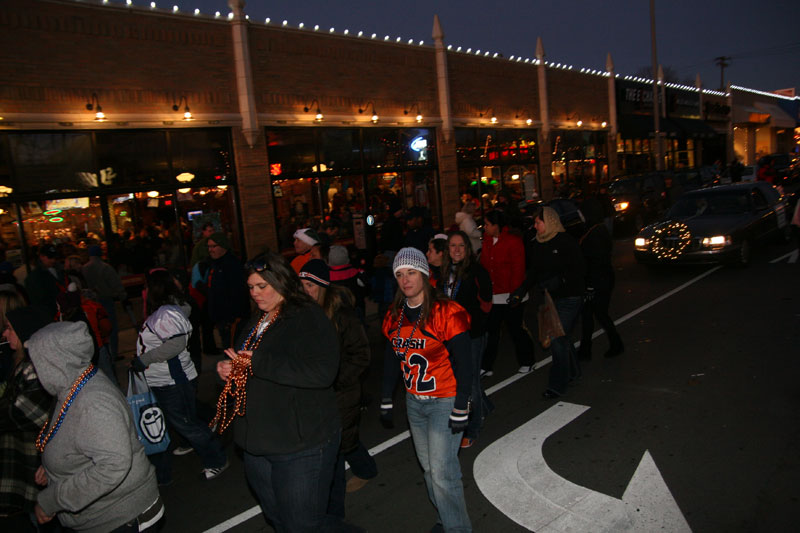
[
  {"x": 413, "y": 330},
  {"x": 87, "y": 374},
  {"x": 241, "y": 369}
]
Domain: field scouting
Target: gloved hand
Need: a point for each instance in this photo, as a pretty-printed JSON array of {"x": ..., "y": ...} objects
[
  {"x": 137, "y": 365},
  {"x": 588, "y": 296},
  {"x": 387, "y": 421},
  {"x": 515, "y": 298},
  {"x": 459, "y": 419},
  {"x": 459, "y": 416}
]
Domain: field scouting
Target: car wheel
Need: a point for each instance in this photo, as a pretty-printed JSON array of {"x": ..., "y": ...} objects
[
  {"x": 744, "y": 253},
  {"x": 787, "y": 233}
]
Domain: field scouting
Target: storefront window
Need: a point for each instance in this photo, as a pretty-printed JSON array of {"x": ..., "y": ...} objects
[
  {"x": 382, "y": 148},
  {"x": 10, "y": 244},
  {"x": 73, "y": 220},
  {"x": 291, "y": 150},
  {"x": 419, "y": 145},
  {"x": 579, "y": 160},
  {"x": 361, "y": 170},
  {"x": 204, "y": 153},
  {"x": 52, "y": 161},
  {"x": 132, "y": 157},
  {"x": 340, "y": 149}
]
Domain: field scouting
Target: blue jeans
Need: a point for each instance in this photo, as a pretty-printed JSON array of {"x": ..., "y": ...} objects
[
  {"x": 293, "y": 488},
  {"x": 481, "y": 404},
  {"x": 437, "y": 451},
  {"x": 565, "y": 365},
  {"x": 180, "y": 409}
]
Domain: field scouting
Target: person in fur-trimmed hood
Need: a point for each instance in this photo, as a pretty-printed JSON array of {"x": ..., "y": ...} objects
[{"x": 97, "y": 476}]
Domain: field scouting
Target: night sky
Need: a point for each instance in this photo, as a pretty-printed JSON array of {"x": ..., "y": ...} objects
[{"x": 761, "y": 37}]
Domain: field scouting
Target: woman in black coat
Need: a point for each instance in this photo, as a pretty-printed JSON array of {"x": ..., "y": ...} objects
[
  {"x": 338, "y": 302},
  {"x": 464, "y": 280},
  {"x": 596, "y": 245},
  {"x": 557, "y": 265},
  {"x": 281, "y": 378}
]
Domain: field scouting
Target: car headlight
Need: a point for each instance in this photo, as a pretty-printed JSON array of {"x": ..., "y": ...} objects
[
  {"x": 641, "y": 243},
  {"x": 621, "y": 206},
  {"x": 716, "y": 240}
]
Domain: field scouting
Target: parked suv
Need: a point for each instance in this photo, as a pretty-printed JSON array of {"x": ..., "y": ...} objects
[{"x": 638, "y": 200}]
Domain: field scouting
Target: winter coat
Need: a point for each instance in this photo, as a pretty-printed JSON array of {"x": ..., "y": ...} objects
[
  {"x": 505, "y": 261},
  {"x": 355, "y": 353},
  {"x": 596, "y": 245},
  {"x": 227, "y": 289},
  {"x": 24, "y": 406},
  {"x": 98, "y": 475},
  {"x": 474, "y": 293},
  {"x": 558, "y": 266},
  {"x": 291, "y": 404}
]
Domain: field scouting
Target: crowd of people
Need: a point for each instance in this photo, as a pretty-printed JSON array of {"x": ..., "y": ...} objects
[{"x": 295, "y": 355}]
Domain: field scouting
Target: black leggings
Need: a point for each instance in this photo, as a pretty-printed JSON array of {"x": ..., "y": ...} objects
[{"x": 523, "y": 345}]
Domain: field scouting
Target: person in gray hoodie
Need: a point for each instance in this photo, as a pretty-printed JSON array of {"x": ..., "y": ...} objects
[{"x": 97, "y": 476}]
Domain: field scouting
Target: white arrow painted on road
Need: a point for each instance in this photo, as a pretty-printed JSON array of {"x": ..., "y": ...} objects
[{"x": 513, "y": 475}]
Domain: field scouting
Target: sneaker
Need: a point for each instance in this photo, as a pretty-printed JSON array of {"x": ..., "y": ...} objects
[
  {"x": 182, "y": 450},
  {"x": 211, "y": 473},
  {"x": 525, "y": 369},
  {"x": 466, "y": 442},
  {"x": 486, "y": 373}
]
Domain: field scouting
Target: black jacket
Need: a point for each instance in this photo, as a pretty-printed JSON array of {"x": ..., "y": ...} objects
[
  {"x": 596, "y": 245},
  {"x": 474, "y": 293},
  {"x": 227, "y": 289},
  {"x": 355, "y": 354},
  {"x": 291, "y": 405},
  {"x": 557, "y": 265}
]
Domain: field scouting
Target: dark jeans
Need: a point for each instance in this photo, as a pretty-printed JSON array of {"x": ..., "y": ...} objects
[
  {"x": 361, "y": 465},
  {"x": 523, "y": 345},
  {"x": 293, "y": 489},
  {"x": 565, "y": 365},
  {"x": 597, "y": 307},
  {"x": 180, "y": 409},
  {"x": 481, "y": 405}
]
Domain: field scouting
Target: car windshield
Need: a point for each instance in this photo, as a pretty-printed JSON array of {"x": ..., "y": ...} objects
[
  {"x": 728, "y": 203},
  {"x": 623, "y": 187}
]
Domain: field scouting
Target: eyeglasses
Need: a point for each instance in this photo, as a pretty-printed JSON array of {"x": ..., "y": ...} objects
[{"x": 258, "y": 265}]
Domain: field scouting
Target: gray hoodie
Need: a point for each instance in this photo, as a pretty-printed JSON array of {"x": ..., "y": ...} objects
[{"x": 98, "y": 475}]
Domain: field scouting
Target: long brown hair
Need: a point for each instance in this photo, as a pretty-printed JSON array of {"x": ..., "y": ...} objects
[
  {"x": 431, "y": 297},
  {"x": 332, "y": 298},
  {"x": 461, "y": 268}
]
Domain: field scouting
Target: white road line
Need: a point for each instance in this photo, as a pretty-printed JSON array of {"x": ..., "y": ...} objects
[
  {"x": 792, "y": 256},
  {"x": 253, "y": 511}
]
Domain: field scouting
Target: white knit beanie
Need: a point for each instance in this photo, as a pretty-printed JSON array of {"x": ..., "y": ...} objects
[{"x": 410, "y": 258}]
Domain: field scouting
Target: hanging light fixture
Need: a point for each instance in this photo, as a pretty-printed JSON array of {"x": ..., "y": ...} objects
[
  {"x": 187, "y": 115},
  {"x": 94, "y": 105},
  {"x": 318, "y": 116},
  {"x": 374, "y": 116}
]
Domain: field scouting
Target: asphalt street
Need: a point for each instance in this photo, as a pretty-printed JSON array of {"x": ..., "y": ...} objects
[{"x": 700, "y": 411}]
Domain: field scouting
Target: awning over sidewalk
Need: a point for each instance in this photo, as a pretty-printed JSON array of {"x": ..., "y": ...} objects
[
  {"x": 695, "y": 129},
  {"x": 743, "y": 114},
  {"x": 777, "y": 116}
]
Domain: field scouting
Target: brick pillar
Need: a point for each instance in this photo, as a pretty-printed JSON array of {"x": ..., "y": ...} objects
[
  {"x": 255, "y": 197},
  {"x": 448, "y": 179},
  {"x": 613, "y": 126},
  {"x": 545, "y": 166}
]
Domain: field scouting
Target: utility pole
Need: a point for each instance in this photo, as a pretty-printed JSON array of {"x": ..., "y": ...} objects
[
  {"x": 656, "y": 122},
  {"x": 722, "y": 62}
]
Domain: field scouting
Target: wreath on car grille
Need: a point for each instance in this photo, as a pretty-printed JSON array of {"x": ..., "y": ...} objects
[{"x": 670, "y": 239}]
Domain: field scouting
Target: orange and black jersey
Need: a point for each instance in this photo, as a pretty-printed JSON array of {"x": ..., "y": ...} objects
[{"x": 434, "y": 356}]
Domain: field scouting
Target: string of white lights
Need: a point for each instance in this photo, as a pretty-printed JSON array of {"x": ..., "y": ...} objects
[{"x": 493, "y": 55}]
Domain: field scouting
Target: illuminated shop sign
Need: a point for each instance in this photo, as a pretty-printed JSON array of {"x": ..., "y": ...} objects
[{"x": 67, "y": 203}]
